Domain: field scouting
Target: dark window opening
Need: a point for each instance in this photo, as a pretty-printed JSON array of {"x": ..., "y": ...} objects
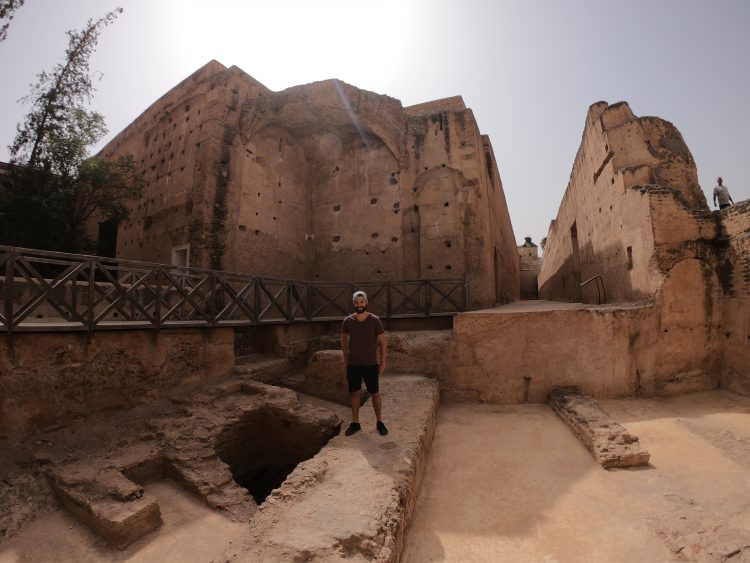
[{"x": 106, "y": 244}]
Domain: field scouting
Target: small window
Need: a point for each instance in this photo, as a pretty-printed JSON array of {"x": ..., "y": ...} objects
[{"x": 181, "y": 256}]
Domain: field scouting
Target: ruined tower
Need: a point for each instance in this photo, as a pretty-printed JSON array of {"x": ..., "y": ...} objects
[{"x": 318, "y": 182}]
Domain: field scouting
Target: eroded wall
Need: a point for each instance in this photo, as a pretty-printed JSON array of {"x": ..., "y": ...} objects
[
  {"x": 633, "y": 193},
  {"x": 634, "y": 214},
  {"x": 322, "y": 181},
  {"x": 516, "y": 356},
  {"x": 180, "y": 145},
  {"x": 735, "y": 275},
  {"x": 46, "y": 377}
]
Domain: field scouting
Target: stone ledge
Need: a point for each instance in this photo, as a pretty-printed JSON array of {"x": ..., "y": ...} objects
[
  {"x": 113, "y": 506},
  {"x": 325, "y": 377},
  {"x": 609, "y": 442},
  {"x": 361, "y": 489}
]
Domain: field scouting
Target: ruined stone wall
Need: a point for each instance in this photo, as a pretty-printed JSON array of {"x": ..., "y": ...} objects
[
  {"x": 322, "y": 181},
  {"x": 179, "y": 145},
  {"x": 267, "y": 206},
  {"x": 634, "y": 214},
  {"x": 520, "y": 356},
  {"x": 46, "y": 377},
  {"x": 633, "y": 193},
  {"x": 455, "y": 217},
  {"x": 735, "y": 274}
]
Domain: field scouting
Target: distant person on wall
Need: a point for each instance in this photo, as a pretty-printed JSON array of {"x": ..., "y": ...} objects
[
  {"x": 360, "y": 335},
  {"x": 722, "y": 194}
]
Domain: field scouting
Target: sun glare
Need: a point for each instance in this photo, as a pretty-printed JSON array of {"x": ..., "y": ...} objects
[{"x": 292, "y": 42}]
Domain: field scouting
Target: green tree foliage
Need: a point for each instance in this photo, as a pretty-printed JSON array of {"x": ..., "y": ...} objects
[
  {"x": 7, "y": 9},
  {"x": 53, "y": 188},
  {"x": 58, "y": 97}
]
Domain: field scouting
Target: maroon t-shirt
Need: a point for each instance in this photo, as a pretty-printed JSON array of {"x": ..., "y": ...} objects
[{"x": 363, "y": 339}]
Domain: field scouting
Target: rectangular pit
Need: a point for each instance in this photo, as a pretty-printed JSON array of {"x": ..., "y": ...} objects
[{"x": 265, "y": 445}]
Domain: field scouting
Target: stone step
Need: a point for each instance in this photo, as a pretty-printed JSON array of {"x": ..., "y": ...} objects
[{"x": 263, "y": 368}]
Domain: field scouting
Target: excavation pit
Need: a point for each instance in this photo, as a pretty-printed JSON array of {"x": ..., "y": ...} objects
[{"x": 264, "y": 446}]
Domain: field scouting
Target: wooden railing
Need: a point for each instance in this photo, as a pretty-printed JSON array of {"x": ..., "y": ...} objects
[{"x": 58, "y": 291}]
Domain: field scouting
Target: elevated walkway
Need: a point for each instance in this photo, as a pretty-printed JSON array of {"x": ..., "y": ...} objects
[{"x": 55, "y": 291}]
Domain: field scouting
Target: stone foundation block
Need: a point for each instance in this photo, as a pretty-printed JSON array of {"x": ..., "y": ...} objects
[
  {"x": 608, "y": 441},
  {"x": 107, "y": 502},
  {"x": 325, "y": 377}
]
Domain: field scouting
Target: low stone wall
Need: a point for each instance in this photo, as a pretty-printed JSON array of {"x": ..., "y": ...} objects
[
  {"x": 516, "y": 356},
  {"x": 51, "y": 376}
]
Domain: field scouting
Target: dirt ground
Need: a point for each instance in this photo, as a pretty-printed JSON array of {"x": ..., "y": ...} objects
[
  {"x": 502, "y": 483},
  {"x": 512, "y": 483},
  {"x": 348, "y": 502}
]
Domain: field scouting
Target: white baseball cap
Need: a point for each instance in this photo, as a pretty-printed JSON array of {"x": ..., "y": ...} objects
[{"x": 359, "y": 294}]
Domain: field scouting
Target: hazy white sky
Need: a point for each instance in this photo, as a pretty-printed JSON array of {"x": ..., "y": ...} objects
[{"x": 529, "y": 69}]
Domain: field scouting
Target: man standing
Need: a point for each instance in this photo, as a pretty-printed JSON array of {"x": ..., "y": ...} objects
[
  {"x": 722, "y": 193},
  {"x": 360, "y": 335}
]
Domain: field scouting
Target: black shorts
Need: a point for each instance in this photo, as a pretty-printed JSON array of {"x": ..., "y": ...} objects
[{"x": 355, "y": 375}]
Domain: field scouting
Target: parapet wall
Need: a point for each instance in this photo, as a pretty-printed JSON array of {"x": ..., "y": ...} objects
[{"x": 512, "y": 355}]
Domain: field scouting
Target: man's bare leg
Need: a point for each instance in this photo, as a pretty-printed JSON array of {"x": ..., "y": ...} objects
[
  {"x": 377, "y": 404},
  {"x": 355, "y": 406}
]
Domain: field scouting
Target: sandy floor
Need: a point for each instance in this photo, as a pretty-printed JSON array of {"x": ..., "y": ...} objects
[
  {"x": 191, "y": 532},
  {"x": 511, "y": 483},
  {"x": 345, "y": 503},
  {"x": 506, "y": 483}
]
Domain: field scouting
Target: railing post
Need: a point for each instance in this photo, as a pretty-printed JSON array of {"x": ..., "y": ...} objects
[
  {"x": 157, "y": 307},
  {"x": 212, "y": 299},
  {"x": 74, "y": 294},
  {"x": 90, "y": 296},
  {"x": 465, "y": 294},
  {"x": 288, "y": 312},
  {"x": 256, "y": 305},
  {"x": 10, "y": 269},
  {"x": 388, "y": 302},
  {"x": 309, "y": 297},
  {"x": 427, "y": 298}
]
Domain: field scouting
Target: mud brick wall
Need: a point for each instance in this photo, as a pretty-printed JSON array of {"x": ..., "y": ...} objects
[
  {"x": 47, "y": 377},
  {"x": 322, "y": 181},
  {"x": 607, "y": 352},
  {"x": 634, "y": 214},
  {"x": 633, "y": 191},
  {"x": 735, "y": 374}
]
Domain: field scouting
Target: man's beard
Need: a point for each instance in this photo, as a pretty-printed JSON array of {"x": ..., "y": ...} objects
[{"x": 360, "y": 310}]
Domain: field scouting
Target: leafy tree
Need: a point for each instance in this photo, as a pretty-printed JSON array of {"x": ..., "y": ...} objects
[
  {"x": 7, "y": 7},
  {"x": 101, "y": 187},
  {"x": 58, "y": 97},
  {"x": 53, "y": 189}
]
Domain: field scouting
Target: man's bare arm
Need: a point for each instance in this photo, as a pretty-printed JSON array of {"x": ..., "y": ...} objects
[
  {"x": 383, "y": 351},
  {"x": 345, "y": 346}
]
